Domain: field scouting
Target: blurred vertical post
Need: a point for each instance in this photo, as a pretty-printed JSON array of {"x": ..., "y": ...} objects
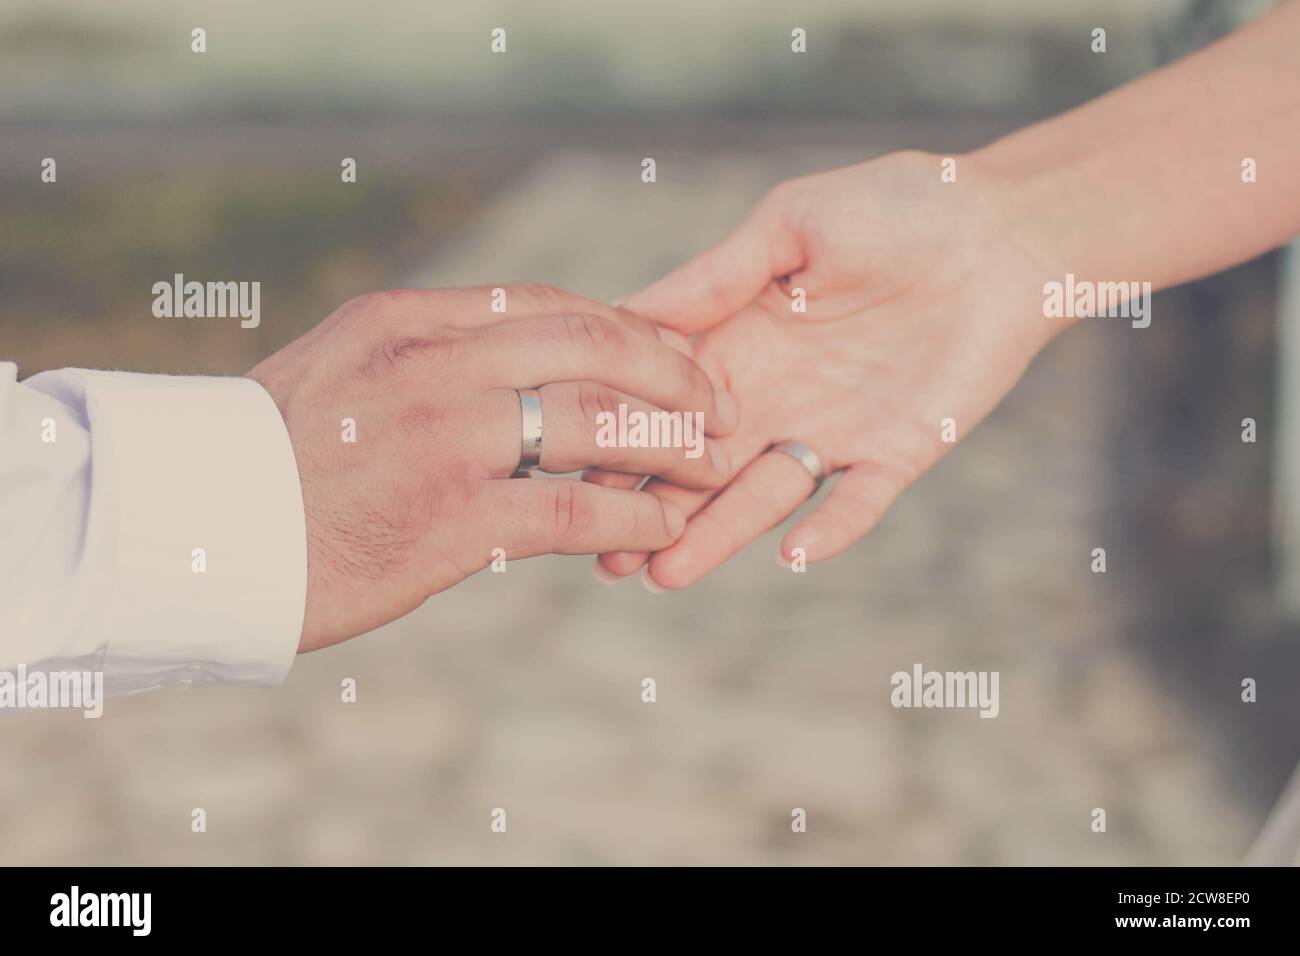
[{"x": 1286, "y": 465}]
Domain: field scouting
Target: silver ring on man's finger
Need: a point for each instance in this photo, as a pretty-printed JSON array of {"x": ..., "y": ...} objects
[{"x": 530, "y": 422}]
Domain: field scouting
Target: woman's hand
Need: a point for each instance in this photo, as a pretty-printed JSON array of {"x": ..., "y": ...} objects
[{"x": 922, "y": 305}]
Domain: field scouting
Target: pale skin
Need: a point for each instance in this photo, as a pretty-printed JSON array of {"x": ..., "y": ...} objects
[
  {"x": 925, "y": 297},
  {"x": 423, "y": 498}
]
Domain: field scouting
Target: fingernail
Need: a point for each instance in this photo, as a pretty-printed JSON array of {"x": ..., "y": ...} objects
[
  {"x": 603, "y": 574},
  {"x": 728, "y": 412},
  {"x": 617, "y": 303},
  {"x": 807, "y": 539},
  {"x": 673, "y": 518},
  {"x": 649, "y": 583},
  {"x": 718, "y": 455},
  {"x": 780, "y": 559}
]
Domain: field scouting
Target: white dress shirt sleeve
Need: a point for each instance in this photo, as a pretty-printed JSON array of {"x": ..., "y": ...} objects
[{"x": 151, "y": 527}]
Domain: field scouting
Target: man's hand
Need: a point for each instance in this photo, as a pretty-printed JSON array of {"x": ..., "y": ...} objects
[
  {"x": 922, "y": 305},
  {"x": 422, "y": 497}
]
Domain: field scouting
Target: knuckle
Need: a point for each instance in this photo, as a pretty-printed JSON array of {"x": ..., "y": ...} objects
[
  {"x": 567, "y": 513},
  {"x": 423, "y": 425},
  {"x": 397, "y": 297},
  {"x": 377, "y": 304},
  {"x": 398, "y": 353},
  {"x": 784, "y": 204},
  {"x": 540, "y": 294},
  {"x": 781, "y": 193},
  {"x": 595, "y": 399},
  {"x": 363, "y": 306},
  {"x": 591, "y": 333}
]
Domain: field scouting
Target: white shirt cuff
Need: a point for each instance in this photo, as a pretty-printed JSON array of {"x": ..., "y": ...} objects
[{"x": 197, "y": 480}]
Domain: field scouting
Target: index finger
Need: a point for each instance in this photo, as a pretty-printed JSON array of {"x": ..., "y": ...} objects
[{"x": 528, "y": 353}]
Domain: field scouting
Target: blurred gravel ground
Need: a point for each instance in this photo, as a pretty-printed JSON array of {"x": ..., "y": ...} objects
[{"x": 522, "y": 690}]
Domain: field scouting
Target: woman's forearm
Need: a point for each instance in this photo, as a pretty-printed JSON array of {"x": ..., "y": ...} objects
[{"x": 1146, "y": 183}]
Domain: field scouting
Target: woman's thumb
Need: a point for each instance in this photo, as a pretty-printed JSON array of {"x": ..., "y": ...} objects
[{"x": 721, "y": 281}]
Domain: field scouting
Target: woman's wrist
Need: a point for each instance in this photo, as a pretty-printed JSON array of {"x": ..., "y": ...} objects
[
  {"x": 1028, "y": 237},
  {"x": 1036, "y": 206}
]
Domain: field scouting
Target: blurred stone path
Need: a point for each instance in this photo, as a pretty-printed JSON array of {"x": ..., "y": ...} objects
[{"x": 522, "y": 690}]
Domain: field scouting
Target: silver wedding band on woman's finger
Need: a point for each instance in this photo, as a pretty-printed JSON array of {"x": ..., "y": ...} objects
[
  {"x": 530, "y": 422},
  {"x": 806, "y": 457}
]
